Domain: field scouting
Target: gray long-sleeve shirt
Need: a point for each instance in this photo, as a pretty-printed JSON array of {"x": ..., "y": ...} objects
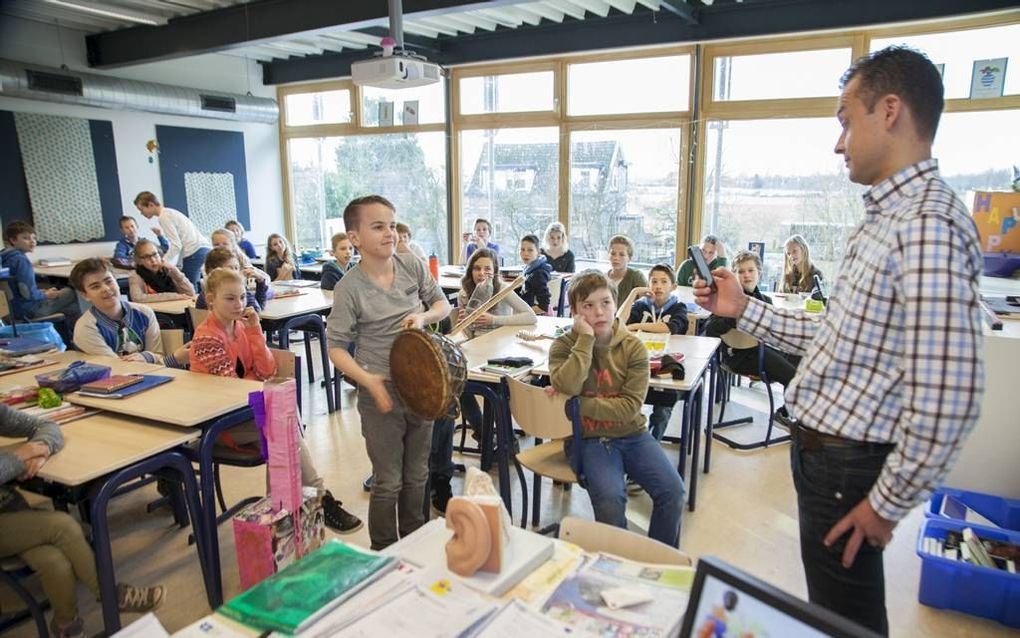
[{"x": 16, "y": 424}]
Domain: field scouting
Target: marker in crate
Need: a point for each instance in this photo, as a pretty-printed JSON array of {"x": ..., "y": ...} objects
[{"x": 970, "y": 548}]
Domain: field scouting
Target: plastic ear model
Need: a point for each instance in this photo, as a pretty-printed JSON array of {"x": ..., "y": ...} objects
[{"x": 477, "y": 542}]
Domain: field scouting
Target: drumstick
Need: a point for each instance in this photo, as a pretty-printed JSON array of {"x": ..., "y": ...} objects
[{"x": 491, "y": 303}]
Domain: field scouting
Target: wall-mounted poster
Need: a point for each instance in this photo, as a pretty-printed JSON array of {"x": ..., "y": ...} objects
[
  {"x": 59, "y": 174},
  {"x": 988, "y": 78},
  {"x": 204, "y": 175}
]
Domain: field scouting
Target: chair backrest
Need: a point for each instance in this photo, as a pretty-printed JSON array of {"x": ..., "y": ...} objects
[
  {"x": 537, "y": 413},
  {"x": 286, "y": 363},
  {"x": 592, "y": 536},
  {"x": 173, "y": 338},
  {"x": 5, "y": 305},
  {"x": 555, "y": 285},
  {"x": 196, "y": 316}
]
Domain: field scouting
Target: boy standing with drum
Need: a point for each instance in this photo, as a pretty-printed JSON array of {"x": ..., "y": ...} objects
[{"x": 371, "y": 305}]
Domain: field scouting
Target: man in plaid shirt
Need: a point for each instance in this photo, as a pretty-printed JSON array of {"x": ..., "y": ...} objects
[{"x": 891, "y": 380}]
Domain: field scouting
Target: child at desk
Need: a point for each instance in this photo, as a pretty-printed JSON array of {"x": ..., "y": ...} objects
[
  {"x": 223, "y": 238},
  {"x": 124, "y": 251},
  {"x": 280, "y": 262},
  {"x": 663, "y": 313},
  {"x": 255, "y": 288},
  {"x": 740, "y": 350},
  {"x": 27, "y": 301},
  {"x": 113, "y": 326},
  {"x": 371, "y": 305},
  {"x": 621, "y": 275},
  {"x": 480, "y": 282},
  {"x": 155, "y": 280},
  {"x": 343, "y": 261},
  {"x": 537, "y": 272},
  {"x": 230, "y": 343},
  {"x": 245, "y": 245},
  {"x": 601, "y": 362},
  {"x": 51, "y": 542}
]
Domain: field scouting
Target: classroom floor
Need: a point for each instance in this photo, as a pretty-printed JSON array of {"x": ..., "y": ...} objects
[{"x": 746, "y": 514}]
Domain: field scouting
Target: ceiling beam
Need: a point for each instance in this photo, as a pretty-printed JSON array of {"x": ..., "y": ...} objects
[
  {"x": 254, "y": 22},
  {"x": 719, "y": 21},
  {"x": 681, "y": 9}
]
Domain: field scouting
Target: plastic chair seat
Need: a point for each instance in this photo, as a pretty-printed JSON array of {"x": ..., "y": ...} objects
[{"x": 548, "y": 460}]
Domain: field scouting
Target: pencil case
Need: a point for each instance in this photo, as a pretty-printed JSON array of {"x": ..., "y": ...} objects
[{"x": 71, "y": 378}]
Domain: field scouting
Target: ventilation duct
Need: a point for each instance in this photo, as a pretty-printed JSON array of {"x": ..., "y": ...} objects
[{"x": 18, "y": 79}]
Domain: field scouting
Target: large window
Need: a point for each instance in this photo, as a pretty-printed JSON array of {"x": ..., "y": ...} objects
[
  {"x": 507, "y": 93},
  {"x": 409, "y": 169},
  {"x": 510, "y": 177},
  {"x": 323, "y": 107},
  {"x": 768, "y": 179},
  {"x": 624, "y": 182},
  {"x": 958, "y": 50},
  {"x": 404, "y": 107},
  {"x": 773, "y": 76},
  {"x": 977, "y": 150},
  {"x": 589, "y": 93}
]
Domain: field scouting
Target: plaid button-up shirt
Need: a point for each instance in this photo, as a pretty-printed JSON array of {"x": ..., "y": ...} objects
[{"x": 897, "y": 356}]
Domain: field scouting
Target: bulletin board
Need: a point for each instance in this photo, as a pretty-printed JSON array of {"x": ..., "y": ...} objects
[
  {"x": 59, "y": 174},
  {"x": 204, "y": 175}
]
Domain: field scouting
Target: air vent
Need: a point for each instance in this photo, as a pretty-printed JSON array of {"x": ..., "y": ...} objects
[
  {"x": 53, "y": 83},
  {"x": 218, "y": 103}
]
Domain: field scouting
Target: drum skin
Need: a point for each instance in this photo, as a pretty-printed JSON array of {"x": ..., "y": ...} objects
[{"x": 428, "y": 372}]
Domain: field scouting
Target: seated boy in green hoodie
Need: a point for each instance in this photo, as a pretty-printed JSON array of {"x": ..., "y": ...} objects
[{"x": 607, "y": 367}]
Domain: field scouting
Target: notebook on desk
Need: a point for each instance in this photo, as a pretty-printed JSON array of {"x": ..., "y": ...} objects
[{"x": 148, "y": 382}]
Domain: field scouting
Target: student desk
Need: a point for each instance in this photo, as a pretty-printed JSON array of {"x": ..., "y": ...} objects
[
  {"x": 192, "y": 400},
  {"x": 175, "y": 308},
  {"x": 64, "y": 359},
  {"x": 312, "y": 271},
  {"x": 103, "y": 452},
  {"x": 64, "y": 272},
  {"x": 312, "y": 300}
]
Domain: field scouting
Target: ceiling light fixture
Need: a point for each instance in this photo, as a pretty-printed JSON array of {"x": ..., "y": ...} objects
[{"x": 119, "y": 14}]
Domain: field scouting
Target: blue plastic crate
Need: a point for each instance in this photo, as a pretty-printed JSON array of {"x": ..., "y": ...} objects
[
  {"x": 1004, "y": 512},
  {"x": 971, "y": 589}
]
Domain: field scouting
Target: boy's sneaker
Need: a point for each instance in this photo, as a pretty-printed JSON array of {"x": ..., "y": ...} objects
[
  {"x": 139, "y": 600},
  {"x": 633, "y": 488},
  {"x": 441, "y": 494},
  {"x": 337, "y": 518},
  {"x": 74, "y": 630}
]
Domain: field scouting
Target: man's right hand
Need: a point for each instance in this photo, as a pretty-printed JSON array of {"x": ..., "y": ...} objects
[{"x": 726, "y": 300}]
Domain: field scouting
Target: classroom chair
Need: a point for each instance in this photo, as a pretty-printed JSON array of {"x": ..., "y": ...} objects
[
  {"x": 544, "y": 417},
  {"x": 726, "y": 377},
  {"x": 195, "y": 317},
  {"x": 12, "y": 571},
  {"x": 558, "y": 294},
  {"x": 593, "y": 537},
  {"x": 312, "y": 324}
]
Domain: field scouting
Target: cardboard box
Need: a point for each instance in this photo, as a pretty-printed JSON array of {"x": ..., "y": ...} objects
[{"x": 997, "y": 217}]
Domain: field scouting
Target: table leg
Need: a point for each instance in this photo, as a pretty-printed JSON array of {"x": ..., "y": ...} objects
[
  {"x": 712, "y": 379},
  {"x": 696, "y": 439}
]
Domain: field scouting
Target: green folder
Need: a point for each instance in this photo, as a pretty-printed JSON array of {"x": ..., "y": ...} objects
[{"x": 294, "y": 597}]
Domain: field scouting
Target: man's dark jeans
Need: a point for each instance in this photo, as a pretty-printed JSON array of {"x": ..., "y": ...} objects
[{"x": 830, "y": 481}]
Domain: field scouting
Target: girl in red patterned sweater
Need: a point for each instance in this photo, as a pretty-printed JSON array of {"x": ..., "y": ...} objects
[{"x": 230, "y": 343}]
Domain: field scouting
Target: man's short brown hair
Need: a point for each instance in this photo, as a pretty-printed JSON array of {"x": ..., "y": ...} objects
[
  {"x": 584, "y": 284},
  {"x": 145, "y": 198},
  {"x": 905, "y": 73},
  {"x": 16, "y": 228},
  {"x": 352, "y": 214},
  {"x": 84, "y": 268}
]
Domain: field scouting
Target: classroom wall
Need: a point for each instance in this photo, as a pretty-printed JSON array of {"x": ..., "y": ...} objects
[{"x": 38, "y": 43}]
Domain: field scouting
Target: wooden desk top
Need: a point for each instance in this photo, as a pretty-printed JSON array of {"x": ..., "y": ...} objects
[
  {"x": 311, "y": 269},
  {"x": 191, "y": 399},
  {"x": 310, "y": 301},
  {"x": 62, "y": 359},
  {"x": 103, "y": 443},
  {"x": 175, "y": 307},
  {"x": 64, "y": 272}
]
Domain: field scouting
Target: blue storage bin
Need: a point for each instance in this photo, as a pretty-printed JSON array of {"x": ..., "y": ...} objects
[
  {"x": 1004, "y": 512},
  {"x": 971, "y": 589},
  {"x": 42, "y": 330}
]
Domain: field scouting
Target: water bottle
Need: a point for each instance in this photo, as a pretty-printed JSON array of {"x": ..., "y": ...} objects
[{"x": 434, "y": 266}]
